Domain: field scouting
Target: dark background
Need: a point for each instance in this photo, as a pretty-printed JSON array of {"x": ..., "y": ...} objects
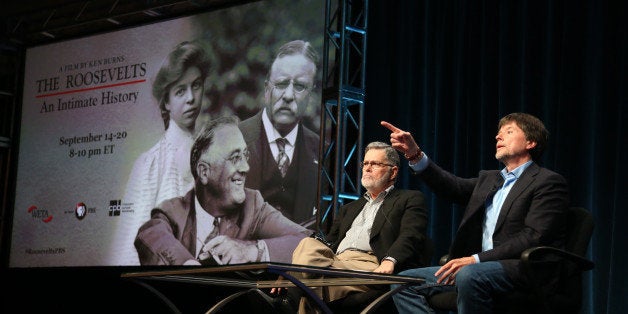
[{"x": 447, "y": 71}]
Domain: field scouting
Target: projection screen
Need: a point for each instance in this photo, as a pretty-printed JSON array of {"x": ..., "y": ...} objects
[{"x": 89, "y": 115}]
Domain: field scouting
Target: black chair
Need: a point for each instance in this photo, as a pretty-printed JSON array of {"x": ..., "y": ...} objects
[{"x": 569, "y": 264}]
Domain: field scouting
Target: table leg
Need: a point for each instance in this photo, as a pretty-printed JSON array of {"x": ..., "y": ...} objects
[{"x": 312, "y": 296}]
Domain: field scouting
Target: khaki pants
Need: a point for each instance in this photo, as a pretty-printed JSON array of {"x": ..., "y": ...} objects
[{"x": 312, "y": 252}]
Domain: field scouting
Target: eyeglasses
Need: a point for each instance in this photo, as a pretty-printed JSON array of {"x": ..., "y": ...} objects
[
  {"x": 375, "y": 164},
  {"x": 236, "y": 158},
  {"x": 298, "y": 87}
]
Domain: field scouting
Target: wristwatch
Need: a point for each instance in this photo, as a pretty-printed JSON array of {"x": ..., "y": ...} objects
[{"x": 390, "y": 258}]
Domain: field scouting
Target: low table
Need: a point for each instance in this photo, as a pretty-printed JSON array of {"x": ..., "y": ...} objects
[{"x": 270, "y": 275}]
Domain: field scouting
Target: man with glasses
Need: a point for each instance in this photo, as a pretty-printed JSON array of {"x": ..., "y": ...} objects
[
  {"x": 219, "y": 221},
  {"x": 285, "y": 152},
  {"x": 384, "y": 231}
]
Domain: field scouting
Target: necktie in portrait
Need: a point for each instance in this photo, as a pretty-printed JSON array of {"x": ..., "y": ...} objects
[{"x": 282, "y": 158}]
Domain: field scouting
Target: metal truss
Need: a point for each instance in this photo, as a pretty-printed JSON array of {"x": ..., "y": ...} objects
[{"x": 344, "y": 69}]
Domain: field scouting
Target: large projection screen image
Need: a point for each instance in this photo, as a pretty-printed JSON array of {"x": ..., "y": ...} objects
[{"x": 189, "y": 141}]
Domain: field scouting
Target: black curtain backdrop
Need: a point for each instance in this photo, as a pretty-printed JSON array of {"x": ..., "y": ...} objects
[{"x": 448, "y": 70}]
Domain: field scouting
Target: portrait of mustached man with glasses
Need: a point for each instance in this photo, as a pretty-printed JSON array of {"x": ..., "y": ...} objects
[{"x": 284, "y": 152}]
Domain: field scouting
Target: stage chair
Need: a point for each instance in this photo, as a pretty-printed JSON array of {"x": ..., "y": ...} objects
[{"x": 569, "y": 263}]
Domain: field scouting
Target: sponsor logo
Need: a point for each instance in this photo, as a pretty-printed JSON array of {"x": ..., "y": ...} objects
[
  {"x": 80, "y": 211},
  {"x": 42, "y": 214},
  {"x": 117, "y": 208},
  {"x": 114, "y": 207}
]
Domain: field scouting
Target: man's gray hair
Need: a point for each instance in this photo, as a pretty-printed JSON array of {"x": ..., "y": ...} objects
[{"x": 391, "y": 154}]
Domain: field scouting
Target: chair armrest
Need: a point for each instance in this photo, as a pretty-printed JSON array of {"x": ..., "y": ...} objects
[
  {"x": 443, "y": 260},
  {"x": 544, "y": 254}
]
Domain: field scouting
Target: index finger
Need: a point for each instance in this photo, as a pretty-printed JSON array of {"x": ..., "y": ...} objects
[
  {"x": 441, "y": 270},
  {"x": 390, "y": 126}
]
